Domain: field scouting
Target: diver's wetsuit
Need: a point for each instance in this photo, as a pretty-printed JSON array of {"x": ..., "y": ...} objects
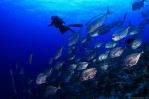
[{"x": 59, "y": 23}]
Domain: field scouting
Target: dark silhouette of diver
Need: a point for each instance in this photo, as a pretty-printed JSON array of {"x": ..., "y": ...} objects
[{"x": 59, "y": 23}]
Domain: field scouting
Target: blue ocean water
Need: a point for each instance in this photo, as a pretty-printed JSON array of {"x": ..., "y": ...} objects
[{"x": 24, "y": 30}]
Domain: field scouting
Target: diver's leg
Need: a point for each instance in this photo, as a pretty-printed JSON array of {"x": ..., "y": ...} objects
[
  {"x": 70, "y": 29},
  {"x": 75, "y": 25}
]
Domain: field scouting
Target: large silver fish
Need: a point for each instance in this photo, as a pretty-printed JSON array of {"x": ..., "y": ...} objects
[
  {"x": 136, "y": 43},
  {"x": 74, "y": 40},
  {"x": 88, "y": 74},
  {"x": 116, "y": 52},
  {"x": 120, "y": 33},
  {"x": 59, "y": 53},
  {"x": 97, "y": 22},
  {"x": 131, "y": 59}
]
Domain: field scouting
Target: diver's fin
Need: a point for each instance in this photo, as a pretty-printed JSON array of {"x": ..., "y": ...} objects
[{"x": 75, "y": 25}]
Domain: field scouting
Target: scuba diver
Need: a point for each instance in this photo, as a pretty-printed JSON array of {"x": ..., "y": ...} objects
[{"x": 59, "y": 23}]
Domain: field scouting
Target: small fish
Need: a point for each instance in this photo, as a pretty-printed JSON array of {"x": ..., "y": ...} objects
[
  {"x": 41, "y": 78},
  {"x": 22, "y": 71},
  {"x": 94, "y": 34},
  {"x": 111, "y": 44},
  {"x": 50, "y": 91},
  {"x": 12, "y": 81},
  {"x": 104, "y": 67},
  {"x": 136, "y": 43},
  {"x": 91, "y": 54},
  {"x": 116, "y": 52},
  {"x": 72, "y": 67},
  {"x": 74, "y": 40},
  {"x": 58, "y": 55},
  {"x": 131, "y": 59},
  {"x": 107, "y": 51},
  {"x": 55, "y": 75},
  {"x": 97, "y": 45},
  {"x": 48, "y": 72},
  {"x": 65, "y": 79},
  {"x": 103, "y": 56},
  {"x": 71, "y": 57},
  {"x": 77, "y": 59},
  {"x": 82, "y": 65},
  {"x": 58, "y": 65},
  {"x": 30, "y": 59},
  {"x": 120, "y": 33},
  {"x": 97, "y": 22},
  {"x": 88, "y": 74},
  {"x": 137, "y": 5}
]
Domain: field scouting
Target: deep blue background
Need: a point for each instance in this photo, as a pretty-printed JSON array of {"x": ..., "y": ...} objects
[{"x": 22, "y": 33}]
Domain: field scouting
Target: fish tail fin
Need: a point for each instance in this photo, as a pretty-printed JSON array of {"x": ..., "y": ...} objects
[{"x": 108, "y": 11}]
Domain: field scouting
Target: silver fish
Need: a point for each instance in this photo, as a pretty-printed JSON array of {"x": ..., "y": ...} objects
[
  {"x": 74, "y": 40},
  {"x": 30, "y": 59},
  {"x": 50, "y": 90},
  {"x": 104, "y": 67},
  {"x": 94, "y": 34},
  {"x": 97, "y": 45},
  {"x": 12, "y": 81},
  {"x": 136, "y": 43},
  {"x": 41, "y": 78},
  {"x": 90, "y": 54},
  {"x": 65, "y": 79},
  {"x": 48, "y": 72},
  {"x": 58, "y": 65},
  {"x": 103, "y": 57},
  {"x": 116, "y": 52},
  {"x": 111, "y": 44},
  {"x": 59, "y": 53},
  {"x": 131, "y": 59},
  {"x": 71, "y": 57},
  {"x": 88, "y": 74},
  {"x": 120, "y": 33},
  {"x": 72, "y": 67},
  {"x": 134, "y": 30},
  {"x": 107, "y": 51},
  {"x": 82, "y": 65},
  {"x": 97, "y": 22}
]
